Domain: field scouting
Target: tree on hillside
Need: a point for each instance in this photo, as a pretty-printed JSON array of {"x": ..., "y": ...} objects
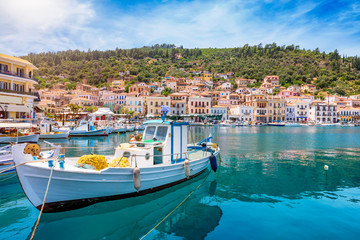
[{"x": 166, "y": 91}]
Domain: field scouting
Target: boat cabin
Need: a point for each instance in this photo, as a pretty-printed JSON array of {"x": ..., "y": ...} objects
[{"x": 162, "y": 143}]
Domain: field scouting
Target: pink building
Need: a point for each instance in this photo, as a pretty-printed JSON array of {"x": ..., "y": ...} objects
[{"x": 286, "y": 94}]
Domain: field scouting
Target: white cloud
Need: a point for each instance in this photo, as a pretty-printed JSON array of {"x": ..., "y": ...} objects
[{"x": 44, "y": 25}]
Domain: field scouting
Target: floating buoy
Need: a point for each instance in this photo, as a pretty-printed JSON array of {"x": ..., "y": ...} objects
[
  {"x": 326, "y": 167},
  {"x": 137, "y": 180},
  {"x": 187, "y": 168},
  {"x": 213, "y": 162}
]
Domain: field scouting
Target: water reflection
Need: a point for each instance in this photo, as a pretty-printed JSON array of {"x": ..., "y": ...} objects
[{"x": 132, "y": 218}]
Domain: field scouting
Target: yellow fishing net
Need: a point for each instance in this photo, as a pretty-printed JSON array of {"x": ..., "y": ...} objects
[
  {"x": 124, "y": 162},
  {"x": 97, "y": 161}
]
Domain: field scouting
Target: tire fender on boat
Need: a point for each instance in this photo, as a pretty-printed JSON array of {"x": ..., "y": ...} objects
[
  {"x": 213, "y": 162},
  {"x": 187, "y": 168},
  {"x": 137, "y": 180}
]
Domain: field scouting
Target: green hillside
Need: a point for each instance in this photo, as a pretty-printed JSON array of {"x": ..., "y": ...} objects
[{"x": 331, "y": 72}]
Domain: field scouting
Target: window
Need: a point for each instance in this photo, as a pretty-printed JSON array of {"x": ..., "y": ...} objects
[
  {"x": 161, "y": 133},
  {"x": 149, "y": 133}
]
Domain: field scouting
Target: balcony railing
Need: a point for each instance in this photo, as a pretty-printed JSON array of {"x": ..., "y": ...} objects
[
  {"x": 17, "y": 92},
  {"x": 15, "y": 75}
]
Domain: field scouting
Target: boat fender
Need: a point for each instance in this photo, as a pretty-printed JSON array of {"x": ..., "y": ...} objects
[
  {"x": 187, "y": 168},
  {"x": 137, "y": 180},
  {"x": 213, "y": 162}
]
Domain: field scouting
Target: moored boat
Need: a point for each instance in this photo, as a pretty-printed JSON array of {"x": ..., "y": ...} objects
[
  {"x": 47, "y": 133},
  {"x": 87, "y": 129},
  {"x": 161, "y": 159}
]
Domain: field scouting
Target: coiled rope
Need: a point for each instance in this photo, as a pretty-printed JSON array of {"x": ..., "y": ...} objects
[
  {"x": 191, "y": 193},
  {"x": 42, "y": 206}
]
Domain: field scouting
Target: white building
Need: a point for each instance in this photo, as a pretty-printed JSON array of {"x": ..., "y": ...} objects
[
  {"x": 290, "y": 112},
  {"x": 219, "y": 110},
  {"x": 135, "y": 103},
  {"x": 301, "y": 111},
  {"x": 322, "y": 112},
  {"x": 177, "y": 107},
  {"x": 242, "y": 113}
]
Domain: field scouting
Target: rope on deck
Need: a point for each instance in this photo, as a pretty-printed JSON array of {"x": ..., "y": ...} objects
[
  {"x": 175, "y": 207},
  {"x": 42, "y": 206}
]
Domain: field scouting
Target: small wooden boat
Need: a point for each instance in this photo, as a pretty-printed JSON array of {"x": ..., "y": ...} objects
[
  {"x": 47, "y": 133},
  {"x": 16, "y": 135},
  {"x": 87, "y": 129},
  {"x": 160, "y": 159},
  {"x": 276, "y": 124}
]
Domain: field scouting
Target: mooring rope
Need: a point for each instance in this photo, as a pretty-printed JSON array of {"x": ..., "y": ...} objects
[
  {"x": 42, "y": 206},
  {"x": 175, "y": 208},
  {"x": 226, "y": 163}
]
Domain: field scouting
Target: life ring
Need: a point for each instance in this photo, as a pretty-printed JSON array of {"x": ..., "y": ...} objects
[{"x": 138, "y": 137}]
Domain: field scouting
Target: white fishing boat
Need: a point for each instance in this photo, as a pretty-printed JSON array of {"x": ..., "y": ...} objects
[
  {"x": 289, "y": 124},
  {"x": 276, "y": 124},
  {"x": 47, "y": 133},
  {"x": 6, "y": 160},
  {"x": 87, "y": 129},
  {"x": 118, "y": 128},
  {"x": 16, "y": 136},
  {"x": 130, "y": 127},
  {"x": 161, "y": 159},
  {"x": 227, "y": 123}
]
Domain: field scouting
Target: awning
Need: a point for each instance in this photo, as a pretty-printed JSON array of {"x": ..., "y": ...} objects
[
  {"x": 38, "y": 109},
  {"x": 15, "y": 125},
  {"x": 18, "y": 108},
  {"x": 301, "y": 117}
]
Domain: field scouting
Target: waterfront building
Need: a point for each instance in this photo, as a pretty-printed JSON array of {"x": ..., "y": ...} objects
[
  {"x": 301, "y": 111},
  {"x": 259, "y": 102},
  {"x": 242, "y": 113},
  {"x": 219, "y": 110},
  {"x": 290, "y": 112},
  {"x": 323, "y": 112},
  {"x": 16, "y": 87},
  {"x": 154, "y": 105},
  {"x": 178, "y": 107},
  {"x": 199, "y": 105},
  {"x": 276, "y": 109},
  {"x": 348, "y": 114}
]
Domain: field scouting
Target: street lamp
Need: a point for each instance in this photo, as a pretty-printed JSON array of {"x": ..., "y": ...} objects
[
  {"x": 6, "y": 108},
  {"x": 63, "y": 119}
]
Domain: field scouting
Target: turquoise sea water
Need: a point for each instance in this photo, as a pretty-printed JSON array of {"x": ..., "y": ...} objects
[{"x": 272, "y": 185}]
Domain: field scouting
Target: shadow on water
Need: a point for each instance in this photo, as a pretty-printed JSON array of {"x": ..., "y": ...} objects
[{"x": 132, "y": 218}]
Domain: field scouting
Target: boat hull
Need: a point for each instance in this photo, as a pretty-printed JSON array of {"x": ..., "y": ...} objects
[
  {"x": 33, "y": 138},
  {"x": 54, "y": 136},
  {"x": 101, "y": 132},
  {"x": 75, "y": 188}
]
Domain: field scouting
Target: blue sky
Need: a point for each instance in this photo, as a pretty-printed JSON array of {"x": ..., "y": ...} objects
[{"x": 52, "y": 25}]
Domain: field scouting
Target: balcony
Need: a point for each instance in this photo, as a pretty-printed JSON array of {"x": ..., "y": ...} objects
[
  {"x": 17, "y": 92},
  {"x": 15, "y": 75}
]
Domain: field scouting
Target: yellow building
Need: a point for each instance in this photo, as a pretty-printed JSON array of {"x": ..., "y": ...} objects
[
  {"x": 207, "y": 76},
  {"x": 16, "y": 87},
  {"x": 154, "y": 105},
  {"x": 118, "y": 84},
  {"x": 276, "y": 109}
]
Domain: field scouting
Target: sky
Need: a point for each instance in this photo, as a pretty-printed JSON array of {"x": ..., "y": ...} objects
[{"x": 57, "y": 25}]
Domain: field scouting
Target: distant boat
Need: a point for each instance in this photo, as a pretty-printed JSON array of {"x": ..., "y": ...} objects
[
  {"x": 87, "y": 129},
  {"x": 6, "y": 160},
  {"x": 292, "y": 124},
  {"x": 17, "y": 136},
  {"x": 276, "y": 124},
  {"x": 47, "y": 133}
]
